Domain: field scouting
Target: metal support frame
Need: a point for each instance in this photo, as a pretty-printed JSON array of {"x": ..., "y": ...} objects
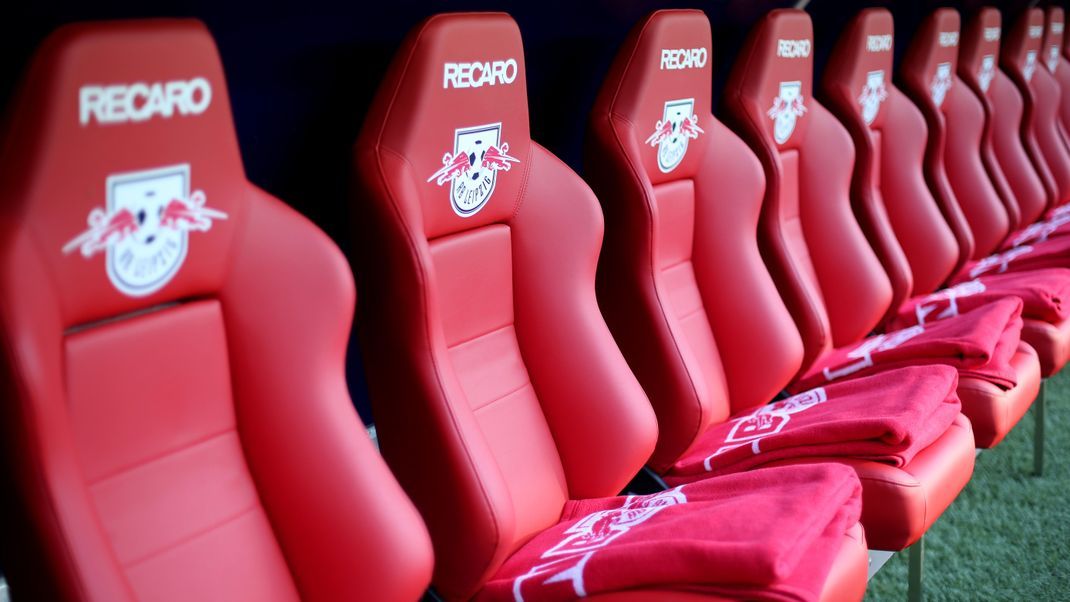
[
  {"x": 915, "y": 586},
  {"x": 1038, "y": 434}
]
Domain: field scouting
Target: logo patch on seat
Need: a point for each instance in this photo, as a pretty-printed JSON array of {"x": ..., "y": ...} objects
[
  {"x": 677, "y": 125},
  {"x": 786, "y": 109},
  {"x": 873, "y": 94},
  {"x": 988, "y": 71},
  {"x": 941, "y": 83},
  {"x": 1053, "y": 58},
  {"x": 1030, "y": 65},
  {"x": 144, "y": 228},
  {"x": 472, "y": 168}
]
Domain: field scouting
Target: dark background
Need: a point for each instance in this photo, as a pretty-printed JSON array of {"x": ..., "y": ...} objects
[{"x": 302, "y": 74}]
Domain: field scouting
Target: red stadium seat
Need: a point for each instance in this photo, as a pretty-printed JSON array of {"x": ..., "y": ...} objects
[
  {"x": 502, "y": 403},
  {"x": 956, "y": 171},
  {"x": 1021, "y": 58},
  {"x": 896, "y": 196},
  {"x": 173, "y": 342},
  {"x": 1060, "y": 64},
  {"x": 681, "y": 222}
]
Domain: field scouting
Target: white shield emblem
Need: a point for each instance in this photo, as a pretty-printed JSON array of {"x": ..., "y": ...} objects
[
  {"x": 472, "y": 168},
  {"x": 941, "y": 83},
  {"x": 988, "y": 71},
  {"x": 144, "y": 229},
  {"x": 873, "y": 94},
  {"x": 786, "y": 109},
  {"x": 1030, "y": 65},
  {"x": 1053, "y": 58},
  {"x": 677, "y": 125}
]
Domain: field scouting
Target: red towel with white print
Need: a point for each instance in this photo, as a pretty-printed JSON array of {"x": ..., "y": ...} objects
[
  {"x": 1050, "y": 253},
  {"x": 1054, "y": 225},
  {"x": 1045, "y": 296},
  {"x": 888, "y": 417},
  {"x": 979, "y": 343},
  {"x": 769, "y": 534}
]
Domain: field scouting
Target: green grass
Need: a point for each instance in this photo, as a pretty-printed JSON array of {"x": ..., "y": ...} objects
[{"x": 1007, "y": 536}]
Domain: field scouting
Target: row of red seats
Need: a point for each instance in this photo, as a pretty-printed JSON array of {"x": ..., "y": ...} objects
[{"x": 177, "y": 419}]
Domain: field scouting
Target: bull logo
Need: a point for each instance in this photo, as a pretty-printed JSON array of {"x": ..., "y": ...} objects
[
  {"x": 873, "y": 94},
  {"x": 144, "y": 228},
  {"x": 786, "y": 109},
  {"x": 767, "y": 420},
  {"x": 988, "y": 71},
  {"x": 941, "y": 83},
  {"x": 678, "y": 125},
  {"x": 1030, "y": 65},
  {"x": 472, "y": 168},
  {"x": 1053, "y": 57}
]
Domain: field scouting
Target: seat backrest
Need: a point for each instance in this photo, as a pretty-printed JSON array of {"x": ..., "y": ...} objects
[
  {"x": 928, "y": 73},
  {"x": 680, "y": 265},
  {"x": 978, "y": 67},
  {"x": 898, "y": 140},
  {"x": 497, "y": 389},
  {"x": 1056, "y": 43},
  {"x": 827, "y": 273},
  {"x": 173, "y": 346},
  {"x": 1021, "y": 58}
]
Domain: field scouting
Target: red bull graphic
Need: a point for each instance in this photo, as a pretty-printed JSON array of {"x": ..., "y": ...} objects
[
  {"x": 941, "y": 83},
  {"x": 678, "y": 125},
  {"x": 144, "y": 229},
  {"x": 472, "y": 168},
  {"x": 999, "y": 262},
  {"x": 566, "y": 560},
  {"x": 873, "y": 94},
  {"x": 1030, "y": 66},
  {"x": 943, "y": 304},
  {"x": 987, "y": 72},
  {"x": 767, "y": 420},
  {"x": 786, "y": 109},
  {"x": 864, "y": 352}
]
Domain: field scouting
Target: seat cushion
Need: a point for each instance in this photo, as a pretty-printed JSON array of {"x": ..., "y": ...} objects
[
  {"x": 1051, "y": 342},
  {"x": 994, "y": 411}
]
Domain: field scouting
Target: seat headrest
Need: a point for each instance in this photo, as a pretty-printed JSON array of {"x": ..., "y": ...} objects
[
  {"x": 772, "y": 80},
  {"x": 1053, "y": 37},
  {"x": 453, "y": 107},
  {"x": 122, "y": 165},
  {"x": 1021, "y": 49},
  {"x": 860, "y": 69},
  {"x": 979, "y": 56},
  {"x": 661, "y": 82},
  {"x": 932, "y": 58}
]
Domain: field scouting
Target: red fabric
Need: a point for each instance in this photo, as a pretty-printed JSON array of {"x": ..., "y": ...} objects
[
  {"x": 768, "y": 534},
  {"x": 888, "y": 417},
  {"x": 1044, "y": 293},
  {"x": 1051, "y": 253},
  {"x": 1056, "y": 224},
  {"x": 980, "y": 343}
]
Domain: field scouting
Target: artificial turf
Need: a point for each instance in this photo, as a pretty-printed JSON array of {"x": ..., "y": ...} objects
[{"x": 1007, "y": 536}]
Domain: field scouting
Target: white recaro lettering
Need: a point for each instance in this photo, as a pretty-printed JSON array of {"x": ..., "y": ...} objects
[
  {"x": 991, "y": 34},
  {"x": 140, "y": 101},
  {"x": 949, "y": 38},
  {"x": 793, "y": 49},
  {"x": 1057, "y": 27},
  {"x": 683, "y": 58},
  {"x": 879, "y": 43},
  {"x": 477, "y": 75},
  {"x": 1035, "y": 31}
]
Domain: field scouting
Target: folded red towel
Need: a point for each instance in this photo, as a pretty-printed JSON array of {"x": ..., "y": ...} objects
[
  {"x": 979, "y": 343},
  {"x": 1045, "y": 295},
  {"x": 1050, "y": 253},
  {"x": 769, "y": 534},
  {"x": 888, "y": 417},
  {"x": 1056, "y": 224}
]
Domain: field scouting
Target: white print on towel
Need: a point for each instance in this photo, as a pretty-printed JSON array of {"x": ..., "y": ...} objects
[
  {"x": 765, "y": 421},
  {"x": 593, "y": 532},
  {"x": 947, "y": 299},
  {"x": 1040, "y": 231},
  {"x": 864, "y": 352},
  {"x": 999, "y": 260}
]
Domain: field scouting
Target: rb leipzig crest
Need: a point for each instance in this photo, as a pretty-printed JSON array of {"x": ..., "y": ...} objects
[
  {"x": 786, "y": 109},
  {"x": 472, "y": 168},
  {"x": 678, "y": 125},
  {"x": 873, "y": 94}
]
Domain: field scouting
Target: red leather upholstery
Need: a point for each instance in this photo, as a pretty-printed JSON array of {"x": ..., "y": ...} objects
[
  {"x": 980, "y": 69},
  {"x": 175, "y": 401},
  {"x": 1023, "y": 61},
  {"x": 674, "y": 239},
  {"x": 1055, "y": 43}
]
